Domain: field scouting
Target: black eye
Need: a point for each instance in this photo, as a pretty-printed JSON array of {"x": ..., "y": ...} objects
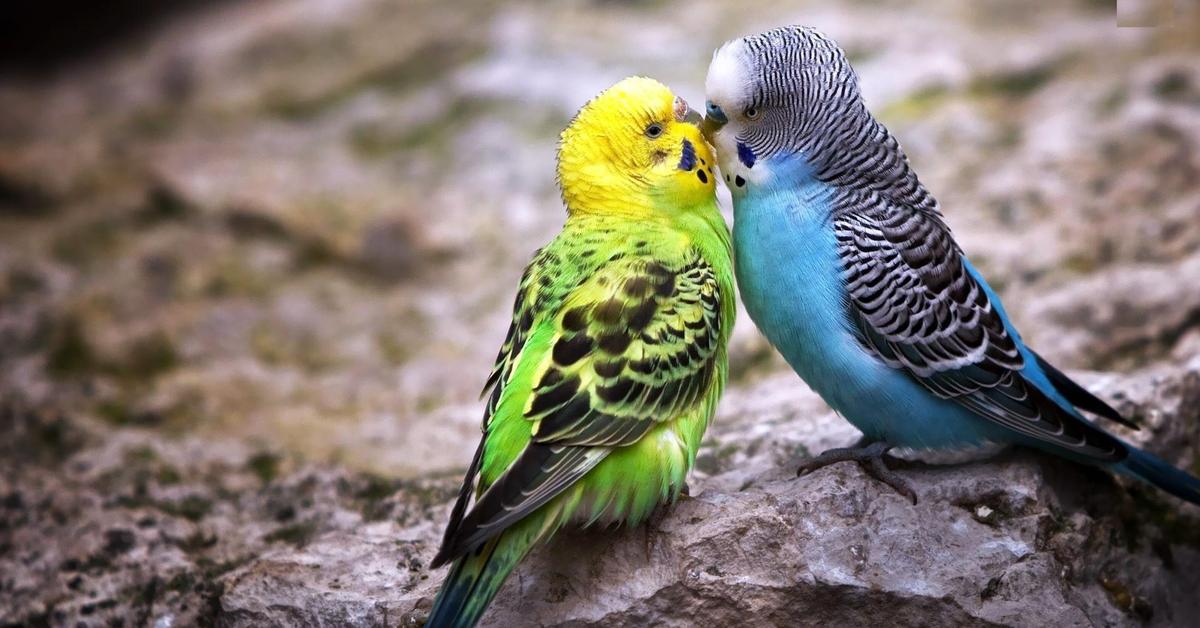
[
  {"x": 654, "y": 130},
  {"x": 751, "y": 113}
]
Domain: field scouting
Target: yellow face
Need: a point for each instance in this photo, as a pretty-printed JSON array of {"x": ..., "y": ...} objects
[{"x": 635, "y": 142}]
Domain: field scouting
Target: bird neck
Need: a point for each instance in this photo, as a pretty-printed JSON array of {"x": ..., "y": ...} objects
[
  {"x": 595, "y": 189},
  {"x": 699, "y": 223}
]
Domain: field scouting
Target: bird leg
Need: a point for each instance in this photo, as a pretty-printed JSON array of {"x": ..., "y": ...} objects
[{"x": 870, "y": 456}]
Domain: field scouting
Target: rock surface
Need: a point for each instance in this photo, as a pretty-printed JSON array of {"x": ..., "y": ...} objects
[
  {"x": 1005, "y": 538},
  {"x": 254, "y": 265}
]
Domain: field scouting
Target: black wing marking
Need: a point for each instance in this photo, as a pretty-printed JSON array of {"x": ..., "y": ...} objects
[
  {"x": 537, "y": 476},
  {"x": 918, "y": 309},
  {"x": 464, "y": 496},
  {"x": 514, "y": 343},
  {"x": 637, "y": 344},
  {"x": 1080, "y": 397},
  {"x": 629, "y": 356}
]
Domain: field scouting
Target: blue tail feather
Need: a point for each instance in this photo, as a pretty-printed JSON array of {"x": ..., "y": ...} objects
[
  {"x": 467, "y": 590},
  {"x": 1164, "y": 475},
  {"x": 475, "y": 579},
  {"x": 1071, "y": 397}
]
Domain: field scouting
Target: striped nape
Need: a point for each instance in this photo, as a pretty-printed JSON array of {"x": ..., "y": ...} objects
[
  {"x": 811, "y": 107},
  {"x": 802, "y": 84}
]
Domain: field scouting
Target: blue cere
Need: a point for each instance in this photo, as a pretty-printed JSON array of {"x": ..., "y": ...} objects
[{"x": 711, "y": 110}]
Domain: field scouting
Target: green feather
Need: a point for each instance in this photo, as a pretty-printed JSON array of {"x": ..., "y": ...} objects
[
  {"x": 476, "y": 577},
  {"x": 616, "y": 355},
  {"x": 601, "y": 392}
]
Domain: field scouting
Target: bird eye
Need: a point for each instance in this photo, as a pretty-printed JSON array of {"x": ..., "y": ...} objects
[
  {"x": 654, "y": 130},
  {"x": 751, "y": 113}
]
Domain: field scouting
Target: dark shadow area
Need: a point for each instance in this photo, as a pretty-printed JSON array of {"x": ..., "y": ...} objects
[{"x": 39, "y": 38}]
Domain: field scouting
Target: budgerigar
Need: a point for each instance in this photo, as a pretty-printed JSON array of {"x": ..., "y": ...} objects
[
  {"x": 616, "y": 355},
  {"x": 844, "y": 262}
]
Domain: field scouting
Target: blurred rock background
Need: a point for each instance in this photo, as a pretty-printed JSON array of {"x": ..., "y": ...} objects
[{"x": 256, "y": 259}]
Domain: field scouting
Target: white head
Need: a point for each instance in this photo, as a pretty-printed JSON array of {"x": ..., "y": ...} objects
[{"x": 786, "y": 93}]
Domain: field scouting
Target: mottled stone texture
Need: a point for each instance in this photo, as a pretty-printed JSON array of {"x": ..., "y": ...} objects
[{"x": 256, "y": 261}]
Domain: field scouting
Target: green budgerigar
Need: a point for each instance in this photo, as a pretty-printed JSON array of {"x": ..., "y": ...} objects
[{"x": 616, "y": 356}]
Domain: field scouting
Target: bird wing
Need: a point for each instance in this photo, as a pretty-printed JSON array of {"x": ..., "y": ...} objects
[
  {"x": 512, "y": 347},
  {"x": 916, "y": 306},
  {"x": 1079, "y": 396},
  {"x": 637, "y": 343}
]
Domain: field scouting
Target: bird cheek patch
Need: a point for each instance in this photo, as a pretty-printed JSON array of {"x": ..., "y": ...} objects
[
  {"x": 687, "y": 160},
  {"x": 745, "y": 155}
]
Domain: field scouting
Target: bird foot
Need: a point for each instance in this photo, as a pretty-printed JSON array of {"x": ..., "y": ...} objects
[{"x": 871, "y": 458}]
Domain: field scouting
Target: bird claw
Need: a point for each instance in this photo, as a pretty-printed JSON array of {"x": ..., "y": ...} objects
[
  {"x": 872, "y": 460},
  {"x": 879, "y": 470}
]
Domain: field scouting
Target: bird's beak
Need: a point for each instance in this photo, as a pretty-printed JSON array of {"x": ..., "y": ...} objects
[
  {"x": 714, "y": 119},
  {"x": 684, "y": 113}
]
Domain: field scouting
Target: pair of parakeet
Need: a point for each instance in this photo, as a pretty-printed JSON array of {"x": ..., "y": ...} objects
[{"x": 616, "y": 356}]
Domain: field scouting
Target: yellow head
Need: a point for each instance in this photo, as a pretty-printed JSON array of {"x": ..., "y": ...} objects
[{"x": 635, "y": 149}]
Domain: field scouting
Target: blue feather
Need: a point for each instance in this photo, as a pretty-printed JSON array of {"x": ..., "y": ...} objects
[
  {"x": 1159, "y": 472},
  {"x": 745, "y": 155},
  {"x": 789, "y": 273},
  {"x": 687, "y": 156},
  {"x": 789, "y": 276},
  {"x": 846, "y": 266}
]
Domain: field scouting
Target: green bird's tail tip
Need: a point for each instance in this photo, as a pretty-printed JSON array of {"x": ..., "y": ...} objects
[{"x": 472, "y": 583}]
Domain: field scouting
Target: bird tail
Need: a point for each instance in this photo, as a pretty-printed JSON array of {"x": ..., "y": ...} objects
[
  {"x": 1162, "y": 474},
  {"x": 476, "y": 577}
]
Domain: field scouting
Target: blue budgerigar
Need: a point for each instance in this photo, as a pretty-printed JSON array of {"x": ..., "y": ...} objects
[{"x": 846, "y": 265}]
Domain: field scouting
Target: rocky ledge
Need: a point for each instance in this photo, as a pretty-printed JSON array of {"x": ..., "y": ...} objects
[
  {"x": 1006, "y": 537},
  {"x": 256, "y": 258}
]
